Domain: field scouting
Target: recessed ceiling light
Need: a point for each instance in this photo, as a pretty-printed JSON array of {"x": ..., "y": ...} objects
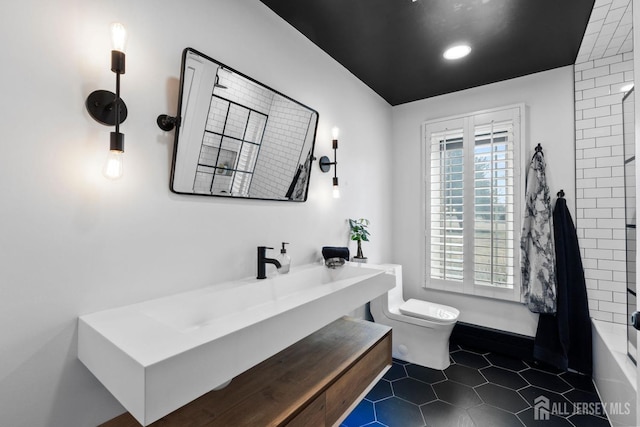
[{"x": 456, "y": 52}]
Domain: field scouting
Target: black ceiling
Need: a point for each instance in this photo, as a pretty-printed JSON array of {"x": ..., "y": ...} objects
[{"x": 396, "y": 46}]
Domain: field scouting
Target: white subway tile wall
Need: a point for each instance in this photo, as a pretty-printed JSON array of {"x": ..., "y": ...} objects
[
  {"x": 600, "y": 214},
  {"x": 203, "y": 180},
  {"x": 217, "y": 115},
  {"x": 236, "y": 123},
  {"x": 283, "y": 140},
  {"x": 280, "y": 142},
  {"x": 609, "y": 31},
  {"x": 244, "y": 92},
  {"x": 230, "y": 114}
]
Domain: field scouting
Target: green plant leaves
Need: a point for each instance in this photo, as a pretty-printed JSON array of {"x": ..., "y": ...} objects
[{"x": 358, "y": 229}]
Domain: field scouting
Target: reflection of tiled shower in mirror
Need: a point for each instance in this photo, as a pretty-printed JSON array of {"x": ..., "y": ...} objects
[
  {"x": 628, "y": 120},
  {"x": 233, "y": 134},
  {"x": 247, "y": 122},
  {"x": 237, "y": 137},
  {"x": 283, "y": 147}
]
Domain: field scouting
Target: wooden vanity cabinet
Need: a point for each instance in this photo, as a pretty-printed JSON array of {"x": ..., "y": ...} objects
[{"x": 314, "y": 382}]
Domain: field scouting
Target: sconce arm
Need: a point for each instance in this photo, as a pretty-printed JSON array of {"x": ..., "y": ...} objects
[{"x": 167, "y": 123}]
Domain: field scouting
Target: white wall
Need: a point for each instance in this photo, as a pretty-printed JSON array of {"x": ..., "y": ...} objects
[
  {"x": 72, "y": 242},
  {"x": 550, "y": 122}
]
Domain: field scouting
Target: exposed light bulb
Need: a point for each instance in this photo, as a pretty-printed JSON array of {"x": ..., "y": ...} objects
[
  {"x": 118, "y": 37},
  {"x": 457, "y": 51},
  {"x": 335, "y": 132},
  {"x": 336, "y": 192},
  {"x": 113, "y": 167},
  {"x": 626, "y": 88}
]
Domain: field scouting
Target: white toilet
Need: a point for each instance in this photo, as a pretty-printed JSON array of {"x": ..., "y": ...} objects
[{"x": 421, "y": 329}]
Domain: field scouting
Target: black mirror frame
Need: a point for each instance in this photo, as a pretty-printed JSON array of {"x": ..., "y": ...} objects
[{"x": 168, "y": 123}]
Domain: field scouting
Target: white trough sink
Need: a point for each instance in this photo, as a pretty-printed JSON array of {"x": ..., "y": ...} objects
[{"x": 158, "y": 355}]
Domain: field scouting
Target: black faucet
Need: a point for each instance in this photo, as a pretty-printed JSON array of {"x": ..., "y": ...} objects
[{"x": 263, "y": 261}]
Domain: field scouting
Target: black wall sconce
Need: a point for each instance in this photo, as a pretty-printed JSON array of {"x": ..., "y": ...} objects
[
  {"x": 166, "y": 122},
  {"x": 108, "y": 108},
  {"x": 325, "y": 163}
]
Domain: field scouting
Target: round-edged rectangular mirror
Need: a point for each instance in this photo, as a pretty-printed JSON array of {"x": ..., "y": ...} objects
[{"x": 236, "y": 137}]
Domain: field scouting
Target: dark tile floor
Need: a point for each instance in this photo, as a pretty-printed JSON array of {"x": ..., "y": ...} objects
[{"x": 479, "y": 389}]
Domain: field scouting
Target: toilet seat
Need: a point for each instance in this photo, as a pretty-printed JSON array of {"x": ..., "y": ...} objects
[{"x": 430, "y": 311}]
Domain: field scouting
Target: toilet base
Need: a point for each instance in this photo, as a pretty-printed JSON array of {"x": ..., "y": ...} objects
[
  {"x": 414, "y": 339},
  {"x": 419, "y": 345}
]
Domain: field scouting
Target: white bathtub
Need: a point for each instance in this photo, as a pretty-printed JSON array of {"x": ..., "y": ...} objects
[{"x": 613, "y": 373}]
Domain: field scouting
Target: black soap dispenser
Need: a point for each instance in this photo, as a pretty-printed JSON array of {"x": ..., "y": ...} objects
[{"x": 284, "y": 260}]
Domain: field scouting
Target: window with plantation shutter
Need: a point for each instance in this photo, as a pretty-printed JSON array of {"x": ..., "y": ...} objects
[
  {"x": 472, "y": 181},
  {"x": 493, "y": 242},
  {"x": 447, "y": 207}
]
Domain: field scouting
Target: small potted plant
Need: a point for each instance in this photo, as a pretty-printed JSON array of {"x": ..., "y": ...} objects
[{"x": 358, "y": 232}]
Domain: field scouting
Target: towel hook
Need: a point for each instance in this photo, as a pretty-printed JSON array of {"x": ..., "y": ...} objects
[
  {"x": 538, "y": 149},
  {"x": 561, "y": 193}
]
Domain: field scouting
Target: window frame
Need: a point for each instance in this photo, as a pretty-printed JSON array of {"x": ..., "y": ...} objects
[{"x": 467, "y": 123}]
